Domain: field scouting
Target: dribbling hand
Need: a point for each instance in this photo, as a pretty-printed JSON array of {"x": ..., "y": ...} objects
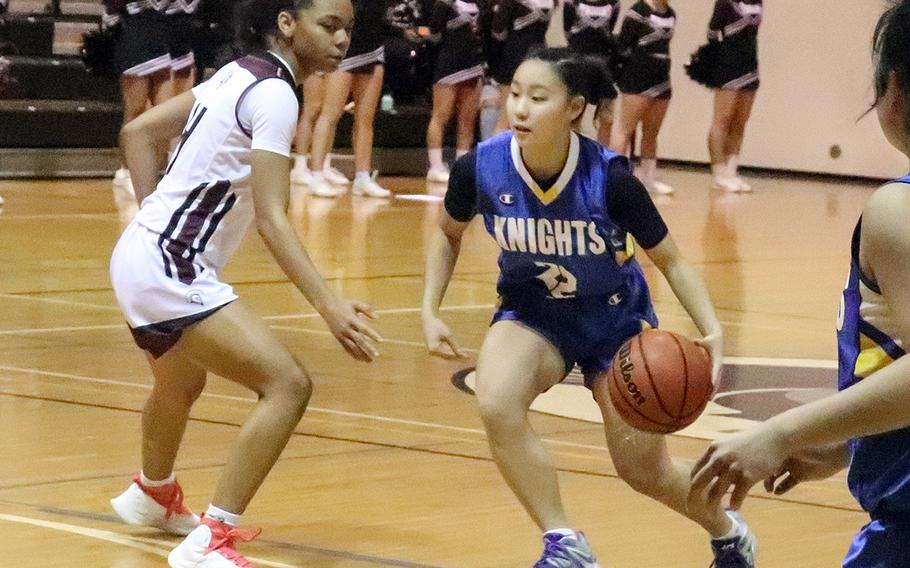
[
  {"x": 714, "y": 345},
  {"x": 345, "y": 319},
  {"x": 440, "y": 340}
]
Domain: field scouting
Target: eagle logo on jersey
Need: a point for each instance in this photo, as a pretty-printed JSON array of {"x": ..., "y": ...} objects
[{"x": 507, "y": 199}]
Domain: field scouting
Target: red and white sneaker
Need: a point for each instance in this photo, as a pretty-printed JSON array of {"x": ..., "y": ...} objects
[
  {"x": 211, "y": 545},
  {"x": 160, "y": 507}
]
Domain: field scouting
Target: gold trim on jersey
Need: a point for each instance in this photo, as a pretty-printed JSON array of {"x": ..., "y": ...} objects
[
  {"x": 871, "y": 357},
  {"x": 568, "y": 170}
]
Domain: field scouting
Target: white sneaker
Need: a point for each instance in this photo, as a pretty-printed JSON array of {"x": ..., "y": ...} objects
[
  {"x": 659, "y": 187},
  {"x": 2, "y": 201},
  {"x": 211, "y": 545},
  {"x": 164, "y": 510},
  {"x": 301, "y": 176},
  {"x": 725, "y": 184},
  {"x": 435, "y": 175},
  {"x": 320, "y": 187},
  {"x": 335, "y": 177},
  {"x": 743, "y": 185},
  {"x": 369, "y": 187}
]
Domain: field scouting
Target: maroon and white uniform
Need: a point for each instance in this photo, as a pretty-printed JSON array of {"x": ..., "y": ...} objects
[{"x": 166, "y": 266}]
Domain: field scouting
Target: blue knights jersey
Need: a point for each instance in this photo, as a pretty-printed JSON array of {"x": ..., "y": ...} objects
[
  {"x": 868, "y": 340},
  {"x": 559, "y": 243}
]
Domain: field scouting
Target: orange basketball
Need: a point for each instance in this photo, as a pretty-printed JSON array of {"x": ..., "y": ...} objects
[{"x": 660, "y": 381}]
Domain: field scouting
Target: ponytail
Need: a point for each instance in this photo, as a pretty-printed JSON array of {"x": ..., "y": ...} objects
[{"x": 584, "y": 75}]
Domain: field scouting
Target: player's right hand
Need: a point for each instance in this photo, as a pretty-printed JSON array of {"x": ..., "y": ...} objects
[
  {"x": 345, "y": 321},
  {"x": 440, "y": 340}
]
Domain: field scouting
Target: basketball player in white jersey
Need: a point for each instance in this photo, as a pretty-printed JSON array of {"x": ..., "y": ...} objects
[{"x": 230, "y": 169}]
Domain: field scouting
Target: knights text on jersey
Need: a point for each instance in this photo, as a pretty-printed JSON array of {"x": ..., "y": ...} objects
[
  {"x": 868, "y": 340},
  {"x": 559, "y": 243}
]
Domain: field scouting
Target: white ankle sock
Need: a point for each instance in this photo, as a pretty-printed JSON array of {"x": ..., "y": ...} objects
[
  {"x": 719, "y": 171},
  {"x": 733, "y": 531},
  {"x": 436, "y": 162},
  {"x": 318, "y": 176},
  {"x": 563, "y": 532},
  {"x": 365, "y": 176},
  {"x": 647, "y": 170},
  {"x": 222, "y": 516},
  {"x": 300, "y": 161},
  {"x": 146, "y": 482},
  {"x": 733, "y": 165},
  {"x": 459, "y": 152}
]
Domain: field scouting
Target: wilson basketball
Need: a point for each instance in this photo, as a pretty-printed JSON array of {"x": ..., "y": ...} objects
[{"x": 660, "y": 381}]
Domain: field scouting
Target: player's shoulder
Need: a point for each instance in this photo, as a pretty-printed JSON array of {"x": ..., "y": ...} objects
[{"x": 885, "y": 216}]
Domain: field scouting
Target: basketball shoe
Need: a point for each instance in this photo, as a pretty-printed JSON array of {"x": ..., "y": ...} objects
[
  {"x": 566, "y": 551},
  {"x": 738, "y": 551},
  {"x": 367, "y": 186},
  {"x": 211, "y": 545},
  {"x": 160, "y": 507}
]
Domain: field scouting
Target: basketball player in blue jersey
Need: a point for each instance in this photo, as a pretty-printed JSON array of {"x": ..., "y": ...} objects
[
  {"x": 562, "y": 209},
  {"x": 867, "y": 424},
  {"x": 229, "y": 170}
]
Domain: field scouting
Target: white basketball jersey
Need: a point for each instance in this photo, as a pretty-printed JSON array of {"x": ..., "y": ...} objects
[{"x": 203, "y": 206}]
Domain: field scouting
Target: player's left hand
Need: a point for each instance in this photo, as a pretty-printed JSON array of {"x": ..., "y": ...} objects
[
  {"x": 815, "y": 463},
  {"x": 714, "y": 345},
  {"x": 738, "y": 461}
]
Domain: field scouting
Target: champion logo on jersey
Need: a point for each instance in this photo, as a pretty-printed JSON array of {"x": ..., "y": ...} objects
[
  {"x": 615, "y": 299},
  {"x": 507, "y": 199}
]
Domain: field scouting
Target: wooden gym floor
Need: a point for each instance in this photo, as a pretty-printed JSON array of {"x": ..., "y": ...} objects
[{"x": 389, "y": 467}]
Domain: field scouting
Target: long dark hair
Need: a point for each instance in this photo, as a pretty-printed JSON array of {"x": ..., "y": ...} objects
[
  {"x": 255, "y": 21},
  {"x": 583, "y": 75}
]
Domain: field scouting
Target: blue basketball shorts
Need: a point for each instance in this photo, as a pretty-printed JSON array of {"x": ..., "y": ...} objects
[
  {"x": 881, "y": 544},
  {"x": 588, "y": 330}
]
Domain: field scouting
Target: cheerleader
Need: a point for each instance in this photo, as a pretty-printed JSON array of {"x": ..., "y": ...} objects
[
  {"x": 517, "y": 26},
  {"x": 734, "y": 28},
  {"x": 459, "y": 70},
  {"x": 643, "y": 49},
  {"x": 360, "y": 75},
  {"x": 588, "y": 25}
]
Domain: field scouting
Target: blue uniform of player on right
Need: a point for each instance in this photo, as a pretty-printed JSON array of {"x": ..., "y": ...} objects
[
  {"x": 564, "y": 211},
  {"x": 867, "y": 424}
]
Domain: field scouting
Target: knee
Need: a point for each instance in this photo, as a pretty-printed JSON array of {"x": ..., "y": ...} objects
[
  {"x": 501, "y": 417},
  {"x": 294, "y": 385}
]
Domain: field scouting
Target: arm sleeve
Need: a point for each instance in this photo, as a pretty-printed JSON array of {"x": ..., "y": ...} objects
[
  {"x": 461, "y": 197},
  {"x": 630, "y": 206},
  {"x": 629, "y": 33},
  {"x": 614, "y": 17},
  {"x": 502, "y": 20},
  {"x": 269, "y": 111},
  {"x": 439, "y": 17},
  {"x": 569, "y": 16},
  {"x": 718, "y": 21}
]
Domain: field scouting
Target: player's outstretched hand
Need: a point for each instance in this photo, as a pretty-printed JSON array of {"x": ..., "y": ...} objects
[
  {"x": 738, "y": 461},
  {"x": 440, "y": 340},
  {"x": 714, "y": 344},
  {"x": 345, "y": 319},
  {"x": 808, "y": 465}
]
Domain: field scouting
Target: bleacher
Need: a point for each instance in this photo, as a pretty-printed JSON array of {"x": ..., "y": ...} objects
[{"x": 59, "y": 120}]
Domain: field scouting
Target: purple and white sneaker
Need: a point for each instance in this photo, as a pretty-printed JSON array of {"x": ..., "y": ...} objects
[{"x": 566, "y": 551}]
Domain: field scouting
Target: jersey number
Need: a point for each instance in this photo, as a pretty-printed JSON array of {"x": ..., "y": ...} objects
[{"x": 560, "y": 282}]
